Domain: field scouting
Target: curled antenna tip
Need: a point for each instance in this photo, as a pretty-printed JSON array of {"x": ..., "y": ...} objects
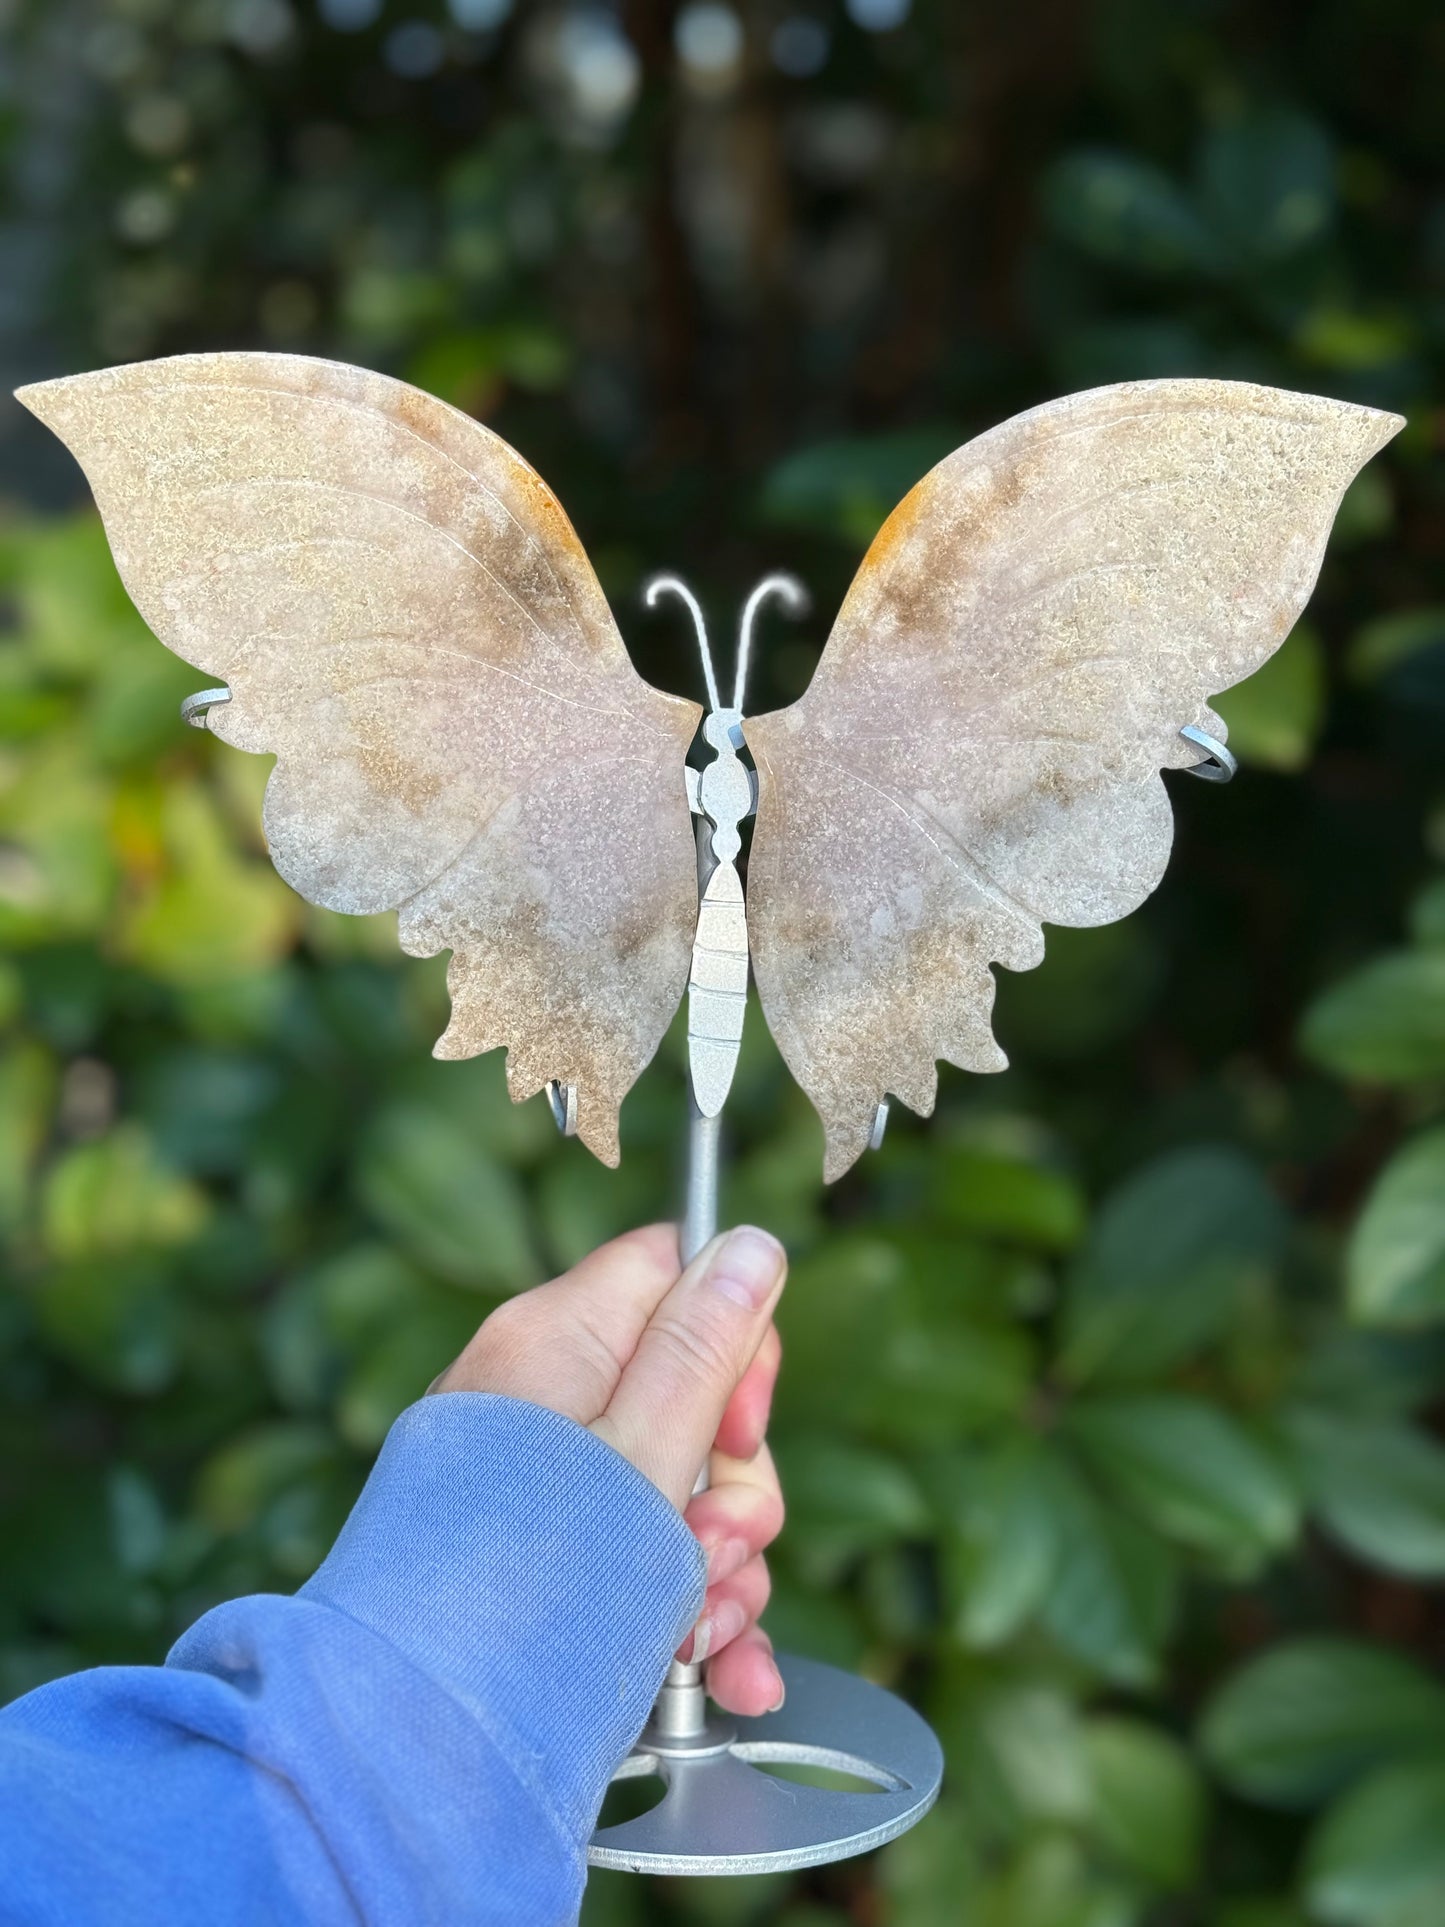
[
  {"x": 661, "y": 584},
  {"x": 794, "y": 598},
  {"x": 658, "y": 586},
  {"x": 790, "y": 591}
]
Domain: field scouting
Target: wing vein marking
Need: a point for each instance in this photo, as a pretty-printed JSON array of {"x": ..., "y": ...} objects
[
  {"x": 951, "y": 739},
  {"x": 1072, "y": 511},
  {"x": 482, "y": 827},
  {"x": 311, "y": 542},
  {"x": 426, "y": 648},
  {"x": 1065, "y": 579},
  {"x": 971, "y": 867},
  {"x": 385, "y": 501},
  {"x": 476, "y": 662},
  {"x": 1001, "y": 546},
  {"x": 364, "y": 408}
]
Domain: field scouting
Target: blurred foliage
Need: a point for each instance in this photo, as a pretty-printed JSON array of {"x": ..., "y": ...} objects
[{"x": 1110, "y": 1419}]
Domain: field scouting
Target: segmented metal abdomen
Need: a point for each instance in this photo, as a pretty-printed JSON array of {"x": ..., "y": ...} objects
[{"x": 717, "y": 988}]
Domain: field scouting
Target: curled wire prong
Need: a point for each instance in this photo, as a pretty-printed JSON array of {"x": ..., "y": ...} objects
[
  {"x": 795, "y": 599},
  {"x": 563, "y": 1100},
  {"x": 195, "y": 709},
  {"x": 1221, "y": 766}
]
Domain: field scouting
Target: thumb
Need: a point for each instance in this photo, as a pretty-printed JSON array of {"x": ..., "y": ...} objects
[{"x": 695, "y": 1349}]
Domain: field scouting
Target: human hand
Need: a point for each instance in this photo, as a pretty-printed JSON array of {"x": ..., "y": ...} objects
[{"x": 673, "y": 1369}]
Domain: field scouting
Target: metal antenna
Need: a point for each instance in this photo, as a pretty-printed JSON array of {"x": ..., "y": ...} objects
[
  {"x": 662, "y": 585},
  {"x": 794, "y": 598}
]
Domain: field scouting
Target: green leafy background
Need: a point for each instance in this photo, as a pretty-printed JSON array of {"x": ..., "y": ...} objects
[{"x": 1111, "y": 1412}]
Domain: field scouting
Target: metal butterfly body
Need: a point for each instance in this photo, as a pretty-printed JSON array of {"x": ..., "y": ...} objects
[{"x": 404, "y": 616}]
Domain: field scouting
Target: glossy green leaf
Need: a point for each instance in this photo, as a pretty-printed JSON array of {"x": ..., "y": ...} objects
[
  {"x": 1147, "y": 1803},
  {"x": 846, "y": 1499},
  {"x": 1015, "y": 1540},
  {"x": 1024, "y": 1752},
  {"x": 941, "y": 1373},
  {"x": 117, "y": 1318},
  {"x": 836, "y": 1316},
  {"x": 211, "y": 913},
  {"x": 1267, "y": 182},
  {"x": 1011, "y": 1198},
  {"x": 1124, "y": 211},
  {"x": 401, "y": 1361},
  {"x": 1192, "y": 1473},
  {"x": 1395, "y": 1265},
  {"x": 322, "y": 1322},
  {"x": 1378, "y": 1487},
  {"x": 1377, "y": 1858},
  {"x": 451, "y": 1206},
  {"x": 115, "y": 1195},
  {"x": 1114, "y": 1592},
  {"x": 236, "y": 1483},
  {"x": 1302, "y": 1720},
  {"x": 1167, "y": 1263},
  {"x": 137, "y": 1519},
  {"x": 1384, "y": 1023}
]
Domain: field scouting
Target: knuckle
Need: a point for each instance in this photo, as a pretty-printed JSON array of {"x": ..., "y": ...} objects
[
  {"x": 759, "y": 1588},
  {"x": 695, "y": 1353},
  {"x": 770, "y": 1518},
  {"x": 505, "y": 1335},
  {"x": 590, "y": 1359},
  {"x": 655, "y": 1249}
]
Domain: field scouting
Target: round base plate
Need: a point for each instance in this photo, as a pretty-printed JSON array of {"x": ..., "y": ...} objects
[{"x": 721, "y": 1814}]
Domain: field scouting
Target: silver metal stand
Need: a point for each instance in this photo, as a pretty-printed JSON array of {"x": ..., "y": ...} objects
[{"x": 721, "y": 1812}]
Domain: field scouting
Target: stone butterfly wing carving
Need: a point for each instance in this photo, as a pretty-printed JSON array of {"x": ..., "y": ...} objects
[
  {"x": 407, "y": 620},
  {"x": 979, "y": 750}
]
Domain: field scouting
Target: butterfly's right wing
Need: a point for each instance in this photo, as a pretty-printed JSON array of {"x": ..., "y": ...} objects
[
  {"x": 979, "y": 750},
  {"x": 408, "y": 622}
]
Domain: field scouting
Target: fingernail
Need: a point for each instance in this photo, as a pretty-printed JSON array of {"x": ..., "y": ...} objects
[
  {"x": 718, "y": 1625},
  {"x": 727, "y": 1558},
  {"x": 747, "y": 1266},
  {"x": 777, "y": 1705}
]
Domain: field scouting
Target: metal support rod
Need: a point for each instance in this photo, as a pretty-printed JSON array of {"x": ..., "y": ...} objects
[
  {"x": 680, "y": 1711},
  {"x": 699, "y": 1222}
]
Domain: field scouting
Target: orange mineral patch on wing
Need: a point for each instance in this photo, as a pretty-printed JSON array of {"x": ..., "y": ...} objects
[{"x": 1007, "y": 674}]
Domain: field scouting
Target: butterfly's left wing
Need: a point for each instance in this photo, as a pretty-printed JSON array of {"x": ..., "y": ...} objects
[
  {"x": 979, "y": 750},
  {"x": 408, "y": 622}
]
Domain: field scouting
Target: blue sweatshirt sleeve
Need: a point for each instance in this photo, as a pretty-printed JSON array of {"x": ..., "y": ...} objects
[{"x": 422, "y": 1734}]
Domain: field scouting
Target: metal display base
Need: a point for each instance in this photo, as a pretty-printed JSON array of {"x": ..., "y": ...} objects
[{"x": 721, "y": 1814}]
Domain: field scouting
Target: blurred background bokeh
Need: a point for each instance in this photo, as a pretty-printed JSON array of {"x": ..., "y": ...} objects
[{"x": 1112, "y": 1403}]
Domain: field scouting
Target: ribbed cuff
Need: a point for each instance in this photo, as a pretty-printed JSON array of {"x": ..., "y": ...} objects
[{"x": 532, "y": 1572}]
